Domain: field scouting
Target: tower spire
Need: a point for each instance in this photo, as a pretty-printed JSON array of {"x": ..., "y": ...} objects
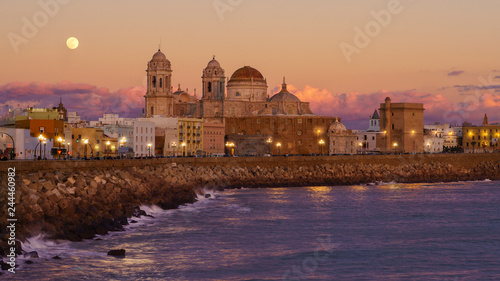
[{"x": 485, "y": 121}]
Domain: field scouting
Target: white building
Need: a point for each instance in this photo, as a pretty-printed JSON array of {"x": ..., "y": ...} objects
[
  {"x": 26, "y": 147},
  {"x": 144, "y": 138},
  {"x": 433, "y": 143},
  {"x": 450, "y": 135},
  {"x": 367, "y": 140},
  {"x": 167, "y": 129},
  {"x": 112, "y": 119}
]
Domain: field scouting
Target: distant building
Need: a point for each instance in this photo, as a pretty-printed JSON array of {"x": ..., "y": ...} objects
[
  {"x": 484, "y": 138},
  {"x": 144, "y": 138},
  {"x": 213, "y": 138},
  {"x": 403, "y": 127},
  {"x": 291, "y": 134},
  {"x": 367, "y": 140},
  {"x": 342, "y": 140},
  {"x": 433, "y": 143}
]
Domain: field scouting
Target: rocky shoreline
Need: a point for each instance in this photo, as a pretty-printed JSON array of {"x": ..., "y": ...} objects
[{"x": 78, "y": 204}]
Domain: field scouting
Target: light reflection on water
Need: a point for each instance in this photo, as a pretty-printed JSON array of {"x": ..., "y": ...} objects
[{"x": 384, "y": 232}]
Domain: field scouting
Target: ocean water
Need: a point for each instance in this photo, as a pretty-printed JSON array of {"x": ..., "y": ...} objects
[{"x": 446, "y": 231}]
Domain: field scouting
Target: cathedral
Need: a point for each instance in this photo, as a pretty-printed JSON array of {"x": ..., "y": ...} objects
[
  {"x": 255, "y": 123},
  {"x": 243, "y": 95}
]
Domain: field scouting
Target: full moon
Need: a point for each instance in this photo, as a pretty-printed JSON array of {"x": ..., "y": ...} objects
[{"x": 72, "y": 43}]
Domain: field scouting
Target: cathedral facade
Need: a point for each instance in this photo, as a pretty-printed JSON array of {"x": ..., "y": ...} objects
[{"x": 244, "y": 95}]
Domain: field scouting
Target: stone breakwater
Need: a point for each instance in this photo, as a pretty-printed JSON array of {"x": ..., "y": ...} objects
[{"x": 77, "y": 204}]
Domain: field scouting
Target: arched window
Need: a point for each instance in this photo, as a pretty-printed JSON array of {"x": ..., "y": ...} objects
[
  {"x": 154, "y": 81},
  {"x": 209, "y": 87},
  {"x": 152, "y": 111},
  {"x": 238, "y": 94},
  {"x": 161, "y": 82}
]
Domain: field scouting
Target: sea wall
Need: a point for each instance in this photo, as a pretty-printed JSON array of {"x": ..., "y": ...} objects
[{"x": 80, "y": 200}]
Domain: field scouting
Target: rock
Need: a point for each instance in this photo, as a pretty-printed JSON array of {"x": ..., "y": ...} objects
[
  {"x": 4, "y": 265},
  {"x": 56, "y": 258},
  {"x": 133, "y": 221},
  {"x": 208, "y": 195},
  {"x": 28, "y": 262},
  {"x": 117, "y": 253}
]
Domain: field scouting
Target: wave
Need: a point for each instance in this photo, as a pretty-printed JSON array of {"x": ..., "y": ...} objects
[{"x": 46, "y": 248}]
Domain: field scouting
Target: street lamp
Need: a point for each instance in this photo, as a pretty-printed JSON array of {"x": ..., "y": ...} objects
[
  {"x": 85, "y": 143},
  {"x": 395, "y": 147},
  {"x": 269, "y": 141},
  {"x": 123, "y": 141},
  {"x": 413, "y": 140},
  {"x": 278, "y": 145},
  {"x": 149, "y": 149},
  {"x": 360, "y": 148},
  {"x": 44, "y": 141},
  {"x": 68, "y": 152},
  {"x": 321, "y": 143},
  {"x": 183, "y": 149},
  {"x": 40, "y": 139},
  {"x": 230, "y": 146},
  {"x": 174, "y": 145},
  {"x": 107, "y": 147}
]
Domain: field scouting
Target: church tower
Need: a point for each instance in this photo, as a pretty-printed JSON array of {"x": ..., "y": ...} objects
[
  {"x": 374, "y": 122},
  {"x": 213, "y": 80},
  {"x": 159, "y": 98},
  {"x": 213, "y": 92}
]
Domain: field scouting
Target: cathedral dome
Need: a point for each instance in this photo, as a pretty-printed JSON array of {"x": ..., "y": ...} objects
[
  {"x": 284, "y": 95},
  {"x": 159, "y": 56},
  {"x": 337, "y": 126},
  {"x": 246, "y": 73}
]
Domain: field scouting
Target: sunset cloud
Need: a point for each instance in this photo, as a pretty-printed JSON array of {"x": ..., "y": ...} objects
[
  {"x": 88, "y": 100},
  {"x": 355, "y": 108},
  {"x": 455, "y": 73}
]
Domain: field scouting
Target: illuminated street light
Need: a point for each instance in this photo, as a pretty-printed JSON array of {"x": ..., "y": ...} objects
[
  {"x": 149, "y": 149},
  {"x": 278, "y": 145},
  {"x": 269, "y": 141},
  {"x": 321, "y": 143},
  {"x": 183, "y": 149}
]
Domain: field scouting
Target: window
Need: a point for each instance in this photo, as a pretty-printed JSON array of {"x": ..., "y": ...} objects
[
  {"x": 152, "y": 111},
  {"x": 393, "y": 126},
  {"x": 209, "y": 87},
  {"x": 42, "y": 129},
  {"x": 238, "y": 94},
  {"x": 154, "y": 81},
  {"x": 299, "y": 121},
  {"x": 393, "y": 114},
  {"x": 258, "y": 121},
  {"x": 161, "y": 82}
]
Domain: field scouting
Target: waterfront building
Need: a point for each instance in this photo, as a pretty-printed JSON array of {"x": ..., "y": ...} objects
[
  {"x": 190, "y": 132},
  {"x": 213, "y": 138},
  {"x": 367, "y": 140},
  {"x": 403, "y": 127},
  {"x": 433, "y": 143},
  {"x": 87, "y": 142},
  {"x": 484, "y": 138},
  {"x": 342, "y": 140},
  {"x": 290, "y": 134},
  {"x": 23, "y": 144},
  {"x": 144, "y": 138},
  {"x": 450, "y": 136}
]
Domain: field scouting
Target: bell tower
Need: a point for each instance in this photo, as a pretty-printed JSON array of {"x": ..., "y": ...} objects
[
  {"x": 159, "y": 98},
  {"x": 214, "y": 81}
]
